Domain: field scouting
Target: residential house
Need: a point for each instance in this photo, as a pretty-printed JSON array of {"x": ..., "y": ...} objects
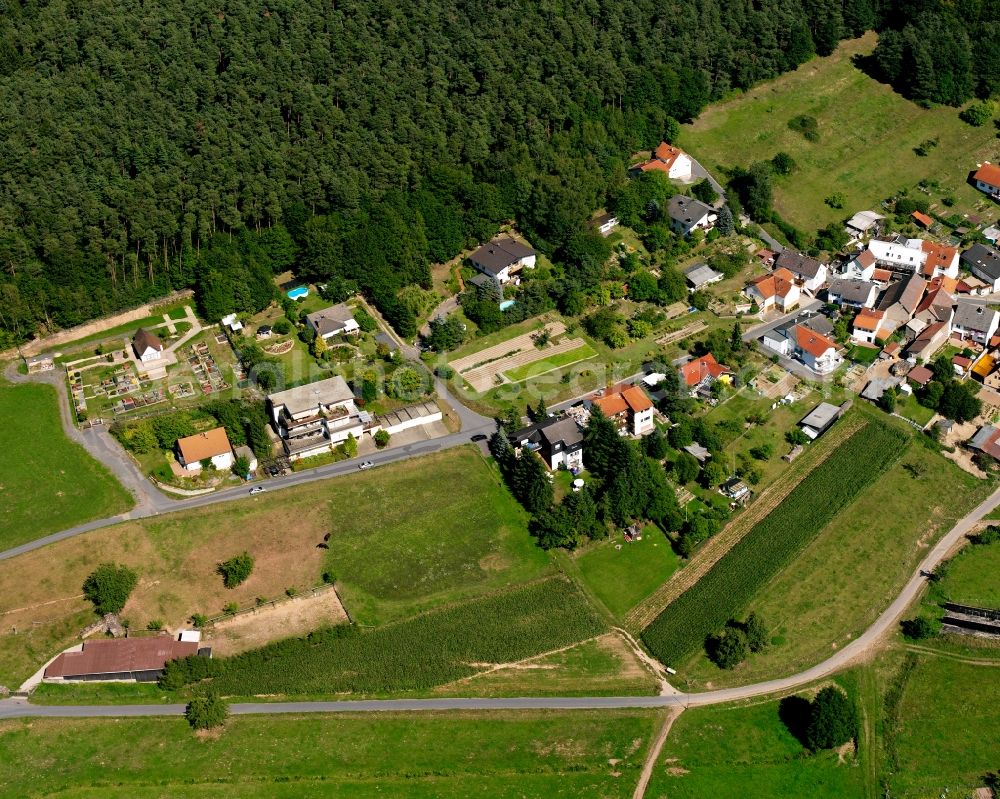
[
  {"x": 861, "y": 267},
  {"x": 701, "y": 275},
  {"x": 852, "y": 293},
  {"x": 667, "y": 158},
  {"x": 337, "y": 320},
  {"x": 899, "y": 254},
  {"x": 816, "y": 351},
  {"x": 937, "y": 306},
  {"x": 313, "y": 418},
  {"x": 559, "y": 442},
  {"x": 928, "y": 341},
  {"x": 864, "y": 223},
  {"x": 777, "y": 289},
  {"x": 882, "y": 277},
  {"x": 809, "y": 273},
  {"x": 140, "y": 659},
  {"x": 987, "y": 439},
  {"x": 984, "y": 263},
  {"x": 868, "y": 326},
  {"x": 976, "y": 321},
  {"x": 765, "y": 256},
  {"x": 212, "y": 445},
  {"x": 147, "y": 347},
  {"x": 940, "y": 260},
  {"x": 987, "y": 179},
  {"x": 264, "y": 332},
  {"x": 503, "y": 258},
  {"x": 700, "y": 373},
  {"x": 901, "y": 300},
  {"x": 604, "y": 223},
  {"x": 630, "y": 410},
  {"x": 688, "y": 214}
]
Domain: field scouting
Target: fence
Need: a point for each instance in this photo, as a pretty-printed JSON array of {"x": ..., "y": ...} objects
[{"x": 310, "y": 593}]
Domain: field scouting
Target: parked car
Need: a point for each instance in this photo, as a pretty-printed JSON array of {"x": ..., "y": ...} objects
[
  {"x": 479, "y": 437},
  {"x": 365, "y": 465},
  {"x": 257, "y": 490}
]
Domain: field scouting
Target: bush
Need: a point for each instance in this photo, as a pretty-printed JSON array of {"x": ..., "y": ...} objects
[
  {"x": 988, "y": 536},
  {"x": 187, "y": 671},
  {"x": 199, "y": 619},
  {"x": 230, "y": 608},
  {"x": 806, "y": 125},
  {"x": 381, "y": 439},
  {"x": 756, "y": 630},
  {"x": 206, "y": 712},
  {"x": 729, "y": 649},
  {"x": 979, "y": 114},
  {"x": 918, "y": 629},
  {"x": 833, "y": 720},
  {"x": 109, "y": 587},
  {"x": 154, "y": 625},
  {"x": 282, "y": 327},
  {"x": 236, "y": 570}
]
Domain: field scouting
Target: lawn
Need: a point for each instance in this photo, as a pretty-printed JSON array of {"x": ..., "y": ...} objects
[
  {"x": 746, "y": 751},
  {"x": 622, "y": 577},
  {"x": 410, "y": 756},
  {"x": 948, "y": 729},
  {"x": 403, "y": 538},
  {"x": 863, "y": 355},
  {"x": 907, "y": 405},
  {"x": 839, "y": 583},
  {"x": 972, "y": 577},
  {"x": 732, "y": 583},
  {"x": 581, "y": 353},
  {"x": 867, "y": 158},
  {"x": 47, "y": 482}
]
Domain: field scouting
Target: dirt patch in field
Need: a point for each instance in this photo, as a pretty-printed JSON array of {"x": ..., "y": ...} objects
[{"x": 294, "y": 617}]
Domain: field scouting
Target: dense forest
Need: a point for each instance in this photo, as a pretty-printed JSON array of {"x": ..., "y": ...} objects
[{"x": 151, "y": 145}]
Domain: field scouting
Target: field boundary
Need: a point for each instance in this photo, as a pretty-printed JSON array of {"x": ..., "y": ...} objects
[{"x": 643, "y": 614}]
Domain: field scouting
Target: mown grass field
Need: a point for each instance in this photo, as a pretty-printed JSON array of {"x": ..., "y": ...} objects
[
  {"x": 410, "y": 756},
  {"x": 839, "y": 583},
  {"x": 866, "y": 147},
  {"x": 731, "y": 584},
  {"x": 402, "y": 539},
  {"x": 581, "y": 353},
  {"x": 973, "y": 577},
  {"x": 622, "y": 578},
  {"x": 47, "y": 482},
  {"x": 746, "y": 751},
  {"x": 948, "y": 729}
]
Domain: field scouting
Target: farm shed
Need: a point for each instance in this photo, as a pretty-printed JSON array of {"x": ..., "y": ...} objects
[
  {"x": 820, "y": 419},
  {"x": 139, "y": 659}
]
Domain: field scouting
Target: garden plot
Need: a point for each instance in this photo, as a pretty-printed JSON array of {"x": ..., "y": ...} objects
[
  {"x": 513, "y": 360},
  {"x": 683, "y": 333}
]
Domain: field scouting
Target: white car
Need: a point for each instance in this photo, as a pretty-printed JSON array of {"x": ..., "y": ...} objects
[
  {"x": 257, "y": 490},
  {"x": 365, "y": 465}
]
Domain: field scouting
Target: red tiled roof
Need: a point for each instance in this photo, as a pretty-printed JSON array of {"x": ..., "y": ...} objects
[
  {"x": 776, "y": 284},
  {"x": 812, "y": 342},
  {"x": 920, "y": 375},
  {"x": 962, "y": 362},
  {"x": 938, "y": 256},
  {"x": 989, "y": 173},
  {"x": 868, "y": 319},
  {"x": 204, "y": 445},
  {"x": 120, "y": 655},
  {"x": 881, "y": 275},
  {"x": 663, "y": 158},
  {"x": 611, "y": 405},
  {"x": 922, "y": 219},
  {"x": 866, "y": 259},
  {"x": 636, "y": 399},
  {"x": 693, "y": 372}
]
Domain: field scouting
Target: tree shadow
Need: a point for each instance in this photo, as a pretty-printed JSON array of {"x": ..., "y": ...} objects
[
  {"x": 869, "y": 65},
  {"x": 794, "y": 714}
]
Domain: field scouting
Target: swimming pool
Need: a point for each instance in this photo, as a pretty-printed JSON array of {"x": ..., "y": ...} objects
[
  {"x": 298, "y": 292},
  {"x": 507, "y": 304}
]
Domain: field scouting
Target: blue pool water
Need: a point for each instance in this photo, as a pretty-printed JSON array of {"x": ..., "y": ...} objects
[
  {"x": 299, "y": 291},
  {"x": 507, "y": 304}
]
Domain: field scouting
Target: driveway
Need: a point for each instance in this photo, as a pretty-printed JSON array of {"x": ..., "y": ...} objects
[{"x": 444, "y": 308}]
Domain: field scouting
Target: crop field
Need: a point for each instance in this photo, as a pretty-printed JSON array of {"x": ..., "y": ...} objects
[
  {"x": 948, "y": 729},
  {"x": 731, "y": 584},
  {"x": 747, "y": 751},
  {"x": 852, "y": 570},
  {"x": 47, "y": 482},
  {"x": 402, "y": 539},
  {"x": 522, "y": 755},
  {"x": 867, "y": 159},
  {"x": 558, "y": 359},
  {"x": 419, "y": 653}
]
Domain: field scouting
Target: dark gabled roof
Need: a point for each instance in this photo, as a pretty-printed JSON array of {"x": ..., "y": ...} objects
[
  {"x": 499, "y": 254},
  {"x": 564, "y": 430},
  {"x": 687, "y": 210},
  {"x": 799, "y": 264},
  {"x": 973, "y": 316},
  {"x": 852, "y": 290},
  {"x": 144, "y": 340},
  {"x": 984, "y": 259}
]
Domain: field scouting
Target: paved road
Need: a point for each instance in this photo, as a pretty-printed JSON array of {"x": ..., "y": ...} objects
[
  {"x": 755, "y": 332},
  {"x": 859, "y": 647}
]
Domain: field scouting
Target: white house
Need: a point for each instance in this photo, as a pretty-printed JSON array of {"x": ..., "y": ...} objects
[
  {"x": 901, "y": 255},
  {"x": 776, "y": 290},
  {"x": 816, "y": 351},
  {"x": 987, "y": 179},
  {"x": 688, "y": 214},
  {"x": 604, "y": 223},
  {"x": 976, "y": 321},
  {"x": 503, "y": 258},
  {"x": 212, "y": 445},
  {"x": 809, "y": 273},
  {"x": 869, "y": 326},
  {"x": 852, "y": 293},
  {"x": 667, "y": 158},
  {"x": 861, "y": 267},
  {"x": 984, "y": 263},
  {"x": 559, "y": 442},
  {"x": 147, "y": 346},
  {"x": 313, "y": 418},
  {"x": 337, "y": 320}
]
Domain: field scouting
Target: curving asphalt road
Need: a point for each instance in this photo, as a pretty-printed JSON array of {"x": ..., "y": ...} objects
[{"x": 17, "y": 708}]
